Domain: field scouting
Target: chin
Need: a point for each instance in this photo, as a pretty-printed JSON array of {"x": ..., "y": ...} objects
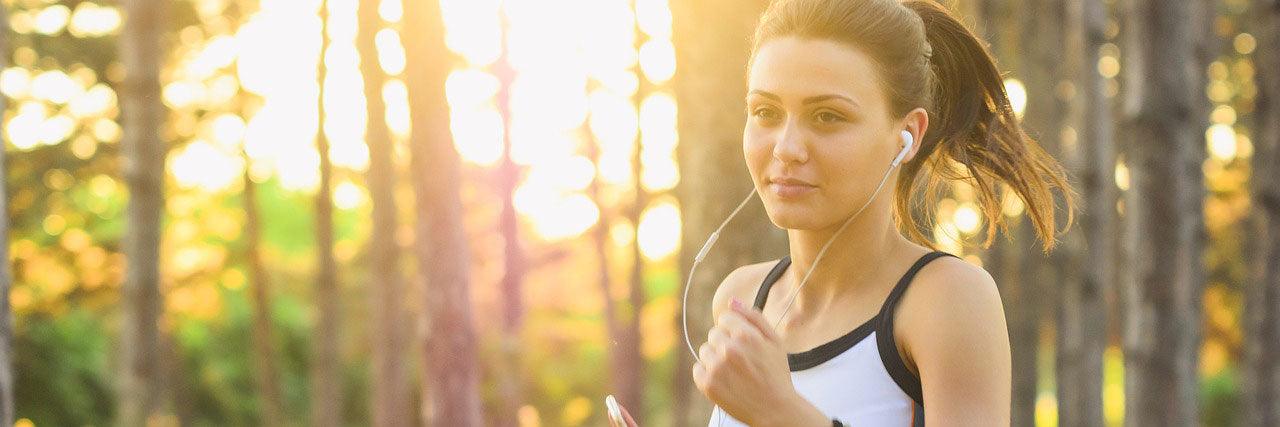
[{"x": 792, "y": 216}]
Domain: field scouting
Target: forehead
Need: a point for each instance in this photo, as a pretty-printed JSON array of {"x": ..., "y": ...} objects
[{"x": 793, "y": 67}]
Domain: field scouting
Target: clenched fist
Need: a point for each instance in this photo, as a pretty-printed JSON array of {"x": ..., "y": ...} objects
[{"x": 743, "y": 368}]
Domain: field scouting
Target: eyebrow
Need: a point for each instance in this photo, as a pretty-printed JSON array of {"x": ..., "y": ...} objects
[{"x": 809, "y": 100}]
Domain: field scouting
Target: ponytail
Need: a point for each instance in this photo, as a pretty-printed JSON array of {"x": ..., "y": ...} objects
[{"x": 979, "y": 132}]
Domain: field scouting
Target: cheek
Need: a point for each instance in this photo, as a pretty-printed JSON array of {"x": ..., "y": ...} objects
[
  {"x": 847, "y": 167},
  {"x": 756, "y": 148}
]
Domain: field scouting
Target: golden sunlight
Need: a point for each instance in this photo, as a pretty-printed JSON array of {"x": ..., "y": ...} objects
[
  {"x": 472, "y": 29},
  {"x": 92, "y": 20},
  {"x": 205, "y": 166},
  {"x": 659, "y": 230},
  {"x": 1221, "y": 141},
  {"x": 1017, "y": 95}
]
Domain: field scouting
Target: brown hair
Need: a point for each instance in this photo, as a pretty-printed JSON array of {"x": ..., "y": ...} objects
[{"x": 929, "y": 59}]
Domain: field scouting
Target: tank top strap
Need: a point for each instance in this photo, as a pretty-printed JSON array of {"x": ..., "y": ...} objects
[
  {"x": 763, "y": 293},
  {"x": 908, "y": 382},
  {"x": 894, "y": 295}
]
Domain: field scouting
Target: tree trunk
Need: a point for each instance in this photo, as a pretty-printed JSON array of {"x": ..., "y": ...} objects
[
  {"x": 389, "y": 377},
  {"x": 514, "y": 260},
  {"x": 144, "y": 152},
  {"x": 600, "y": 238},
  {"x": 1082, "y": 312},
  {"x": 6, "y": 322},
  {"x": 326, "y": 368},
  {"x": 260, "y": 288},
  {"x": 266, "y": 373},
  {"x": 1015, "y": 262},
  {"x": 1261, "y": 379},
  {"x": 1164, "y": 213},
  {"x": 1042, "y": 37},
  {"x": 451, "y": 390},
  {"x": 712, "y": 37},
  {"x": 631, "y": 369}
]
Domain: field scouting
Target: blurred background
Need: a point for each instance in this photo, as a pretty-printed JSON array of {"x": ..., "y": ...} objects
[{"x": 481, "y": 212}]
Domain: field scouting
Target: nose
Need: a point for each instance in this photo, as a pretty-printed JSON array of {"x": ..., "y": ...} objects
[{"x": 790, "y": 147}]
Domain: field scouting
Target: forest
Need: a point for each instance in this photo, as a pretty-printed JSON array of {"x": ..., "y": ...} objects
[{"x": 483, "y": 212}]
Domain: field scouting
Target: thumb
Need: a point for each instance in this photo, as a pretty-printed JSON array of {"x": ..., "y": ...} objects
[{"x": 755, "y": 318}]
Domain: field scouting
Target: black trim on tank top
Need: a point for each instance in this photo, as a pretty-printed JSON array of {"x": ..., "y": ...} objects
[
  {"x": 822, "y": 353},
  {"x": 907, "y": 381},
  {"x": 762, "y": 293},
  {"x": 827, "y": 351}
]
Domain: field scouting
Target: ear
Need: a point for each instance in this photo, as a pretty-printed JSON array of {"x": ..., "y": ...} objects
[{"x": 916, "y": 122}]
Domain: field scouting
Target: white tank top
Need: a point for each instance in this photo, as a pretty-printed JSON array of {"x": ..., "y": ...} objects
[{"x": 858, "y": 378}]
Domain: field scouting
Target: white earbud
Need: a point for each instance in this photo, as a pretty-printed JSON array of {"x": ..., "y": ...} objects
[{"x": 909, "y": 141}]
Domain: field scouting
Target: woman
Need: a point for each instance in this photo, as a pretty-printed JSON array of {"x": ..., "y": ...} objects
[{"x": 887, "y": 331}]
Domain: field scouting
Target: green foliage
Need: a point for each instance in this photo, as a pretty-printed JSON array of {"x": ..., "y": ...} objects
[
  {"x": 61, "y": 369},
  {"x": 1220, "y": 399}
]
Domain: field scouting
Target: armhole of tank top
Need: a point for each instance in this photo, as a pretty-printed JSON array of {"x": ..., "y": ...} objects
[
  {"x": 887, "y": 344},
  {"x": 762, "y": 293}
]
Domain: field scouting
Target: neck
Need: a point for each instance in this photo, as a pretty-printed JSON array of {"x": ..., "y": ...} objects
[{"x": 849, "y": 265}]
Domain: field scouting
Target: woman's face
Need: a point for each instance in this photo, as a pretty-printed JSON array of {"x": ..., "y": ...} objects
[{"x": 819, "y": 135}]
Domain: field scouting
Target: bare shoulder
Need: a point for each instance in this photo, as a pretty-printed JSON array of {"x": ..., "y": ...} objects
[
  {"x": 741, "y": 283},
  {"x": 950, "y": 303},
  {"x": 947, "y": 278}
]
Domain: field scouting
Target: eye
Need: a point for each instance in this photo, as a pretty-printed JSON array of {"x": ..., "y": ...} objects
[
  {"x": 827, "y": 117},
  {"x": 765, "y": 113}
]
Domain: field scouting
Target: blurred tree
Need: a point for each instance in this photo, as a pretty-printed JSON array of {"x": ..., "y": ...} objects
[
  {"x": 326, "y": 373},
  {"x": 514, "y": 259},
  {"x": 141, "y": 383},
  {"x": 1164, "y": 220},
  {"x": 389, "y": 376},
  {"x": 1261, "y": 370},
  {"x": 268, "y": 380},
  {"x": 6, "y": 319},
  {"x": 67, "y": 372},
  {"x": 1082, "y": 311},
  {"x": 266, "y": 374},
  {"x": 629, "y": 372},
  {"x": 1040, "y": 66},
  {"x": 600, "y": 241},
  {"x": 1013, "y": 260},
  {"x": 712, "y": 40},
  {"x": 451, "y": 386}
]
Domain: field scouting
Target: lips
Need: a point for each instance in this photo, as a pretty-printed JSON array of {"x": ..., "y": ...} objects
[
  {"x": 790, "y": 188},
  {"x": 791, "y": 181}
]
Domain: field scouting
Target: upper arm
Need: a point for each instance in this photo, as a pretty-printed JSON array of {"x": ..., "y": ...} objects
[{"x": 959, "y": 342}]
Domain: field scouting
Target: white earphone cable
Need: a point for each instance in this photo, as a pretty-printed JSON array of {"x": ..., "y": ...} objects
[
  {"x": 706, "y": 247},
  {"x": 697, "y": 259},
  {"x": 822, "y": 252}
]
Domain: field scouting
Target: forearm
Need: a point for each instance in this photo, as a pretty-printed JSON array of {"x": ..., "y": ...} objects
[{"x": 796, "y": 411}]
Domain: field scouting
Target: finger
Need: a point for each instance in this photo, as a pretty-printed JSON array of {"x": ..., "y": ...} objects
[
  {"x": 718, "y": 337},
  {"x": 738, "y": 328},
  {"x": 756, "y": 319},
  {"x": 631, "y": 422},
  {"x": 706, "y": 353},
  {"x": 699, "y": 375}
]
